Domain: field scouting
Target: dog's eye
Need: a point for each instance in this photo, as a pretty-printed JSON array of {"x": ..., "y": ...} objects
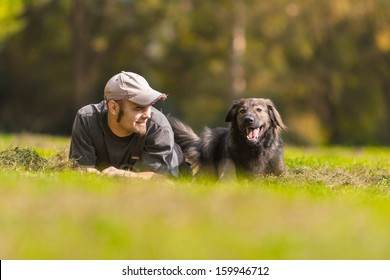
[
  {"x": 242, "y": 111},
  {"x": 259, "y": 109}
]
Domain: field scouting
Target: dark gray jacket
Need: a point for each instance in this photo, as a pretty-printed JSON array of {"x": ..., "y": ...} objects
[{"x": 93, "y": 144}]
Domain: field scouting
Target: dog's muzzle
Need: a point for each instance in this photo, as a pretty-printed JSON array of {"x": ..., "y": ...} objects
[{"x": 252, "y": 131}]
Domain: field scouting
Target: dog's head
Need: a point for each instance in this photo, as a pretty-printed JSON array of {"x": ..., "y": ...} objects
[{"x": 253, "y": 117}]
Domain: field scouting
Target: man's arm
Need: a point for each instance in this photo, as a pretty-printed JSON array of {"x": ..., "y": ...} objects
[
  {"x": 81, "y": 148},
  {"x": 159, "y": 155}
]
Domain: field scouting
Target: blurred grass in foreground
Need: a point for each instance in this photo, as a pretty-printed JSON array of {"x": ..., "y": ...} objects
[{"x": 333, "y": 203}]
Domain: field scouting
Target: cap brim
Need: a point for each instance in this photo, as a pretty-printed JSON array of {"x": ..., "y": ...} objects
[{"x": 149, "y": 98}]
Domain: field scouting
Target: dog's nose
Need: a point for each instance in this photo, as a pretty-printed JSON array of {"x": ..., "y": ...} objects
[{"x": 249, "y": 119}]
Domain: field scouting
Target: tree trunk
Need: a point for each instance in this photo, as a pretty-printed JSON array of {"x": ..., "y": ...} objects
[
  {"x": 86, "y": 61},
  {"x": 79, "y": 39},
  {"x": 237, "y": 70}
]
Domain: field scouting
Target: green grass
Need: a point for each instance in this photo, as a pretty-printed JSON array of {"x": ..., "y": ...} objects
[{"x": 333, "y": 203}]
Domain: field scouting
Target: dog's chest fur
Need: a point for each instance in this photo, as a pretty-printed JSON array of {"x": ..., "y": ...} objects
[{"x": 256, "y": 160}]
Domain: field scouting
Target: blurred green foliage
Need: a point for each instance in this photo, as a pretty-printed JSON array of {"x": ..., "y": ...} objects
[
  {"x": 10, "y": 21},
  {"x": 325, "y": 64}
]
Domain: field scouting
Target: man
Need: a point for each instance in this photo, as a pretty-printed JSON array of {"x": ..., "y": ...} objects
[{"x": 124, "y": 135}]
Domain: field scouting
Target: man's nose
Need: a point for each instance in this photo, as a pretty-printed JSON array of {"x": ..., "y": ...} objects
[{"x": 147, "y": 113}]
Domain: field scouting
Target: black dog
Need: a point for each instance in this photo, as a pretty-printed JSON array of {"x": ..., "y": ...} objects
[{"x": 252, "y": 146}]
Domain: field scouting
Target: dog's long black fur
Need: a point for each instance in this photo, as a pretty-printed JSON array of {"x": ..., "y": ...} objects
[{"x": 251, "y": 146}]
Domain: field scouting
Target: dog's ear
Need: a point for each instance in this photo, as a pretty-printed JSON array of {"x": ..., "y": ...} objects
[
  {"x": 232, "y": 112},
  {"x": 276, "y": 119}
]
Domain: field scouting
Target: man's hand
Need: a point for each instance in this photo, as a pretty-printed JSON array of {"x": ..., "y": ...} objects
[
  {"x": 113, "y": 171},
  {"x": 90, "y": 170}
]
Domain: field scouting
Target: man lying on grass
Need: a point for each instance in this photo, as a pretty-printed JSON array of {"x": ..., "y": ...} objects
[{"x": 123, "y": 134}]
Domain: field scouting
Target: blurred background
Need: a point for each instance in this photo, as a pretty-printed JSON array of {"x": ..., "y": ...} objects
[{"x": 324, "y": 63}]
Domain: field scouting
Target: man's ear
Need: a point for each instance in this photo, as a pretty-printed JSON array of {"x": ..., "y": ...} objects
[
  {"x": 231, "y": 114},
  {"x": 113, "y": 107}
]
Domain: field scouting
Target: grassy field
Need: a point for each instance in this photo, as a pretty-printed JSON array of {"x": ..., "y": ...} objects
[{"x": 333, "y": 203}]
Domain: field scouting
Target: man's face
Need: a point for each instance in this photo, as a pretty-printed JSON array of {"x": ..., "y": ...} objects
[{"x": 132, "y": 117}]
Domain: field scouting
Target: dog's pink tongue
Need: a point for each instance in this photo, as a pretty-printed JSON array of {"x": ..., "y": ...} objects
[{"x": 253, "y": 134}]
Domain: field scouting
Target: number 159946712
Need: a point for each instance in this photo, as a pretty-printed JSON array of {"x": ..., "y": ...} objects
[{"x": 254, "y": 270}]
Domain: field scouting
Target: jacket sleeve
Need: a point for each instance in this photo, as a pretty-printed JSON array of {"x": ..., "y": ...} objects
[
  {"x": 81, "y": 147},
  {"x": 159, "y": 154}
]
